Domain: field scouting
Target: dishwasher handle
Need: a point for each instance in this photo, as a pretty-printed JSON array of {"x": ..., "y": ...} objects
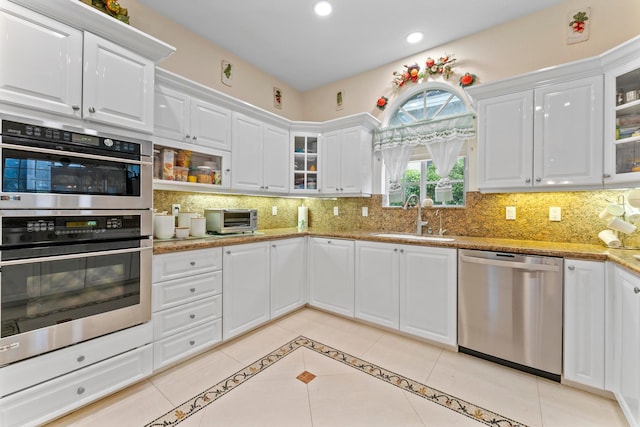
[{"x": 510, "y": 264}]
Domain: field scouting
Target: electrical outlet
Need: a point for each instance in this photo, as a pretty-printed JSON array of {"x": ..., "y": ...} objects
[
  {"x": 555, "y": 213},
  {"x": 511, "y": 213},
  {"x": 365, "y": 211},
  {"x": 175, "y": 209},
  {"x": 274, "y": 210},
  {"x": 335, "y": 211}
]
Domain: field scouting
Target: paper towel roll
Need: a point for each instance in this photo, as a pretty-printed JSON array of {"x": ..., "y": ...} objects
[
  {"x": 303, "y": 218},
  {"x": 609, "y": 238}
]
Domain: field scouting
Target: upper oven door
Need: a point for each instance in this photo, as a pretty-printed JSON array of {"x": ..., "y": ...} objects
[{"x": 40, "y": 174}]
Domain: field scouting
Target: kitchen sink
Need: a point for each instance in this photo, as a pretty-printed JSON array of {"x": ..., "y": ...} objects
[{"x": 415, "y": 237}]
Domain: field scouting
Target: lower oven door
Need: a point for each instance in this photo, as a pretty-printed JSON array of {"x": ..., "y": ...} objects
[{"x": 75, "y": 293}]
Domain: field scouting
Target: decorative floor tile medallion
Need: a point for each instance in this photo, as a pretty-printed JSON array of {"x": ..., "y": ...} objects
[
  {"x": 200, "y": 401},
  {"x": 306, "y": 377}
]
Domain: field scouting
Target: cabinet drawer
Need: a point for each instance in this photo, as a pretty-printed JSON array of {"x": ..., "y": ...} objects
[
  {"x": 174, "y": 320},
  {"x": 43, "y": 402},
  {"x": 180, "y": 346},
  {"x": 36, "y": 370},
  {"x": 186, "y": 264},
  {"x": 176, "y": 292}
]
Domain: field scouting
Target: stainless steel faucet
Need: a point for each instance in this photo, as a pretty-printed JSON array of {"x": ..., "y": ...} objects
[
  {"x": 441, "y": 231},
  {"x": 420, "y": 222}
]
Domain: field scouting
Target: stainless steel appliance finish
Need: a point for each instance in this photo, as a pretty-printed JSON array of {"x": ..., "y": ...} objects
[
  {"x": 68, "y": 276},
  {"x": 510, "y": 310},
  {"x": 61, "y": 167},
  {"x": 225, "y": 221}
]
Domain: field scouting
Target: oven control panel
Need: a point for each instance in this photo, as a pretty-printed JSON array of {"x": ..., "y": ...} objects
[{"x": 37, "y": 230}]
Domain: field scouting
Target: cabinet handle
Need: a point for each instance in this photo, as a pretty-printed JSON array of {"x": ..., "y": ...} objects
[
  {"x": 606, "y": 175},
  {"x": 80, "y": 359},
  {"x": 75, "y": 107},
  {"x": 192, "y": 263},
  {"x": 571, "y": 267},
  {"x": 192, "y": 290},
  {"x": 636, "y": 290},
  {"x": 228, "y": 252},
  {"x": 80, "y": 390},
  {"x": 528, "y": 180},
  {"x": 192, "y": 342},
  {"x": 92, "y": 110},
  {"x": 538, "y": 179},
  {"x": 192, "y": 316},
  {"x": 187, "y": 136}
]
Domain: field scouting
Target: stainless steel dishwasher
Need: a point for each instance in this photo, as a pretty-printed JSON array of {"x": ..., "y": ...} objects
[{"x": 510, "y": 310}]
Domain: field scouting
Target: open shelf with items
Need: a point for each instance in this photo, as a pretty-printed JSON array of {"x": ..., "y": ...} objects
[
  {"x": 177, "y": 167},
  {"x": 306, "y": 163}
]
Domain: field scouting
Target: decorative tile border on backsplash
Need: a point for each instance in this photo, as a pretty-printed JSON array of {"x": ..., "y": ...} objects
[{"x": 484, "y": 215}]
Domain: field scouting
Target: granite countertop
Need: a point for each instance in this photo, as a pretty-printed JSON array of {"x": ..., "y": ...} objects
[{"x": 622, "y": 257}]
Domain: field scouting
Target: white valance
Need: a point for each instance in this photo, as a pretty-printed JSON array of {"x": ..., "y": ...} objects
[{"x": 425, "y": 132}]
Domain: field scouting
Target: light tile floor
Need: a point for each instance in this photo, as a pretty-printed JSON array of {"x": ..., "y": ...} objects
[{"x": 341, "y": 395}]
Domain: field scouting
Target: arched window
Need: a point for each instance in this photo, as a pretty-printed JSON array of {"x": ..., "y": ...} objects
[{"x": 429, "y": 108}]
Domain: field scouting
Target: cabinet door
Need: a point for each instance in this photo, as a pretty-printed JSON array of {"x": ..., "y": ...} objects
[
  {"x": 376, "y": 284},
  {"x": 40, "y": 61},
  {"x": 351, "y": 172},
  {"x": 171, "y": 114},
  {"x": 331, "y": 275},
  {"x": 245, "y": 288},
  {"x": 584, "y": 303},
  {"x": 505, "y": 141},
  {"x": 428, "y": 293},
  {"x": 568, "y": 133},
  {"x": 288, "y": 275},
  {"x": 276, "y": 159},
  {"x": 247, "y": 155},
  {"x": 331, "y": 166},
  {"x": 117, "y": 84},
  {"x": 627, "y": 345},
  {"x": 210, "y": 125}
]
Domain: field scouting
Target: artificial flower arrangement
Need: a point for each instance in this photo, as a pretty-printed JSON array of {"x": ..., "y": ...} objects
[{"x": 443, "y": 66}]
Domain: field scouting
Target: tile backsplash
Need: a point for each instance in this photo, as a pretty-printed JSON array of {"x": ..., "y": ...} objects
[{"x": 484, "y": 215}]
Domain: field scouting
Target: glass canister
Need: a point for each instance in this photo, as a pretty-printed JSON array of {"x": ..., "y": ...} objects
[
  {"x": 157, "y": 164},
  {"x": 204, "y": 174}
]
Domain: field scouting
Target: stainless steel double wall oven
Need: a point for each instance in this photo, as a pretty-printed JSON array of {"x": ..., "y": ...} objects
[{"x": 75, "y": 257}]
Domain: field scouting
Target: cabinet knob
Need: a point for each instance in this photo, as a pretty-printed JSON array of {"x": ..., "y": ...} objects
[
  {"x": 192, "y": 290},
  {"x": 80, "y": 390},
  {"x": 538, "y": 179},
  {"x": 187, "y": 136},
  {"x": 228, "y": 252},
  {"x": 92, "y": 110},
  {"x": 636, "y": 290},
  {"x": 401, "y": 251},
  {"x": 195, "y": 138},
  {"x": 337, "y": 189},
  {"x": 606, "y": 175},
  {"x": 395, "y": 250},
  {"x": 80, "y": 359},
  {"x": 571, "y": 267},
  {"x": 227, "y": 170},
  {"x": 328, "y": 242},
  {"x": 192, "y": 342},
  {"x": 273, "y": 246},
  {"x": 528, "y": 180},
  {"x": 75, "y": 107},
  {"x": 192, "y": 316},
  {"x": 192, "y": 263},
  {"x": 266, "y": 187},
  {"x": 341, "y": 189}
]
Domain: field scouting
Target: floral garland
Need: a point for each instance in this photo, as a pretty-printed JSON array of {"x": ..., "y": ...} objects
[{"x": 413, "y": 73}]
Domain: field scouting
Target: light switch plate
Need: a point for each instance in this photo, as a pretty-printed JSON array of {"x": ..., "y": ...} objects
[
  {"x": 175, "y": 209},
  {"x": 511, "y": 213},
  {"x": 274, "y": 210},
  {"x": 335, "y": 211},
  {"x": 365, "y": 211},
  {"x": 555, "y": 213}
]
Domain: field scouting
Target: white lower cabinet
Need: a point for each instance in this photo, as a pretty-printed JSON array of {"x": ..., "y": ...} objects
[
  {"x": 626, "y": 363},
  {"x": 187, "y": 304},
  {"x": 331, "y": 275},
  {"x": 48, "y": 400},
  {"x": 288, "y": 275},
  {"x": 584, "y": 322},
  {"x": 245, "y": 300},
  {"x": 428, "y": 293}
]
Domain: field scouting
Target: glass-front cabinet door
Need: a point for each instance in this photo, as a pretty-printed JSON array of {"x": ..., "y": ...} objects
[
  {"x": 622, "y": 124},
  {"x": 306, "y": 163}
]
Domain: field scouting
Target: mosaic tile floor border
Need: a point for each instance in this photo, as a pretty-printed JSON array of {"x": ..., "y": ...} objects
[{"x": 200, "y": 401}]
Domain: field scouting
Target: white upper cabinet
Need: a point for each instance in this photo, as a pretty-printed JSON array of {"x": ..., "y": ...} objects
[
  {"x": 260, "y": 156},
  {"x": 78, "y": 65},
  {"x": 549, "y": 137},
  {"x": 181, "y": 117},
  {"x": 347, "y": 157}
]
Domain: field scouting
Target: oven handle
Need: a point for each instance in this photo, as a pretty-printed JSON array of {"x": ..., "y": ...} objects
[
  {"x": 72, "y": 154},
  {"x": 72, "y": 256}
]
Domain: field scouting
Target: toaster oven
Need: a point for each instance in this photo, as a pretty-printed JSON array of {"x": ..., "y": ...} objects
[{"x": 226, "y": 221}]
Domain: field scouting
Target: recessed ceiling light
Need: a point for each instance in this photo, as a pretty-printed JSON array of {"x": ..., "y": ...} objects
[
  {"x": 322, "y": 8},
  {"x": 414, "y": 37}
]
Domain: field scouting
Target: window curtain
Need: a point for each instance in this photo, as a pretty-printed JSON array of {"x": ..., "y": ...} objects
[{"x": 443, "y": 138}]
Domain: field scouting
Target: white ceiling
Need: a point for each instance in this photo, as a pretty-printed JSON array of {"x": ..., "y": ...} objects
[{"x": 286, "y": 39}]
